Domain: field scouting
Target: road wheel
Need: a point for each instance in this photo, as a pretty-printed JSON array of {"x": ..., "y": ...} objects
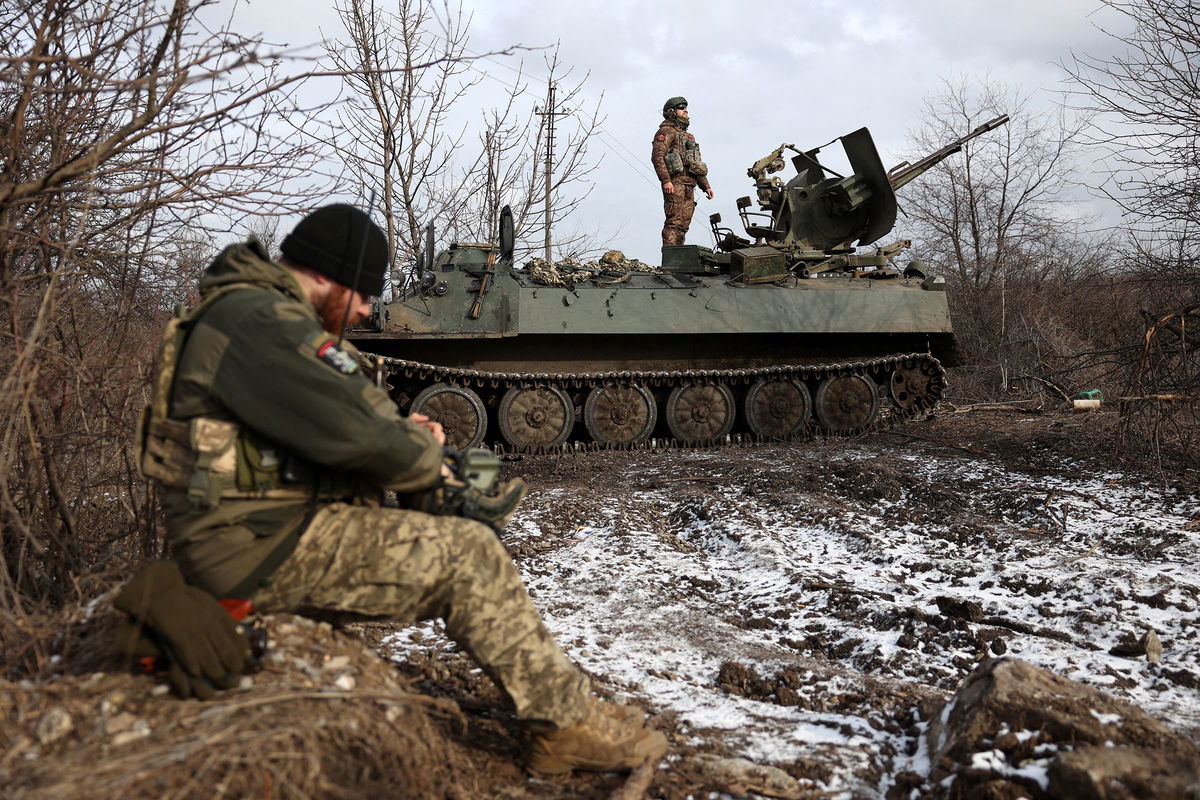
[
  {"x": 458, "y": 408},
  {"x": 779, "y": 408},
  {"x": 617, "y": 413},
  {"x": 846, "y": 403},
  {"x": 699, "y": 412},
  {"x": 535, "y": 416}
]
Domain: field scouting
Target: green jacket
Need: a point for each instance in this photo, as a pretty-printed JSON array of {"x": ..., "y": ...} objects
[{"x": 259, "y": 357}]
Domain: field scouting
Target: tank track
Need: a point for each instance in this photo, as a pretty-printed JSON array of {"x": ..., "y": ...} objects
[{"x": 882, "y": 370}]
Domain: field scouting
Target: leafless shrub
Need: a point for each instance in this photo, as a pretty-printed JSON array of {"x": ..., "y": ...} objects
[{"x": 123, "y": 123}]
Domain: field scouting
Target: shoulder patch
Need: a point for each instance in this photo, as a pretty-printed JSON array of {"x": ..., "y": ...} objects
[
  {"x": 661, "y": 136},
  {"x": 690, "y": 136},
  {"x": 324, "y": 348},
  {"x": 339, "y": 359}
]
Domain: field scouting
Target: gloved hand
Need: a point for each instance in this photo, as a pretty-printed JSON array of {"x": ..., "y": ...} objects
[
  {"x": 473, "y": 489},
  {"x": 454, "y": 498},
  {"x": 185, "y": 627}
]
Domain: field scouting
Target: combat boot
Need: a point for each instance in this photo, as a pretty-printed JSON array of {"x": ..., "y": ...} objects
[{"x": 609, "y": 737}]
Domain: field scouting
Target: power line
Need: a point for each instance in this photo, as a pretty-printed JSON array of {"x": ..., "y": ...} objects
[
  {"x": 607, "y": 140},
  {"x": 639, "y": 170}
]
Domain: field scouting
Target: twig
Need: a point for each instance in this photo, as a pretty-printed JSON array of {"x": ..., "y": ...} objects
[
  {"x": 940, "y": 442},
  {"x": 655, "y": 484},
  {"x": 1090, "y": 550},
  {"x": 833, "y": 587},
  {"x": 1158, "y": 398},
  {"x": 1031, "y": 630},
  {"x": 1048, "y": 384},
  {"x": 1013, "y": 406},
  {"x": 638, "y": 782}
]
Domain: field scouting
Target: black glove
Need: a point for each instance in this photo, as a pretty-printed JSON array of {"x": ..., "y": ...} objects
[
  {"x": 456, "y": 499},
  {"x": 475, "y": 491},
  {"x": 183, "y": 626}
]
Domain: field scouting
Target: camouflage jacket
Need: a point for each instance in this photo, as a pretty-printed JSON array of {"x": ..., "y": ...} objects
[
  {"x": 676, "y": 156},
  {"x": 306, "y": 417}
]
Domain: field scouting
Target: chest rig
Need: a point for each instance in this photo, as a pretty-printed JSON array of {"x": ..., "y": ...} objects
[{"x": 212, "y": 458}]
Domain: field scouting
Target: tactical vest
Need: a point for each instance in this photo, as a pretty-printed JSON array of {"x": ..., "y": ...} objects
[
  {"x": 684, "y": 159},
  {"x": 215, "y": 459}
]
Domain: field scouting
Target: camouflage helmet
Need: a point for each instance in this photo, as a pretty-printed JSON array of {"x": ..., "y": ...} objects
[{"x": 672, "y": 104}]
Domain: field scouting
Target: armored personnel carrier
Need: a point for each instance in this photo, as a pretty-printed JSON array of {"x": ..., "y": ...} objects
[{"x": 800, "y": 326}]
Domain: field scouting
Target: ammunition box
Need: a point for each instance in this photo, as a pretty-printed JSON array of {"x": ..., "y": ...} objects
[
  {"x": 759, "y": 265},
  {"x": 692, "y": 259}
]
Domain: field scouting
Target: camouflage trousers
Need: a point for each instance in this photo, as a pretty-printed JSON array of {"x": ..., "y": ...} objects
[
  {"x": 410, "y": 566},
  {"x": 678, "y": 207}
]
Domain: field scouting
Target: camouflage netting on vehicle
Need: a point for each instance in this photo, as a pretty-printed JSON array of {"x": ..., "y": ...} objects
[
  {"x": 611, "y": 268},
  {"x": 324, "y": 718}
]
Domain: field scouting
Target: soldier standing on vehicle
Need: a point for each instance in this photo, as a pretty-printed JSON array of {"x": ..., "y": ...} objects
[
  {"x": 676, "y": 159},
  {"x": 272, "y": 451}
]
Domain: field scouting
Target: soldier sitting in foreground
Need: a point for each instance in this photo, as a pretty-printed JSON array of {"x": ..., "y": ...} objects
[{"x": 272, "y": 451}]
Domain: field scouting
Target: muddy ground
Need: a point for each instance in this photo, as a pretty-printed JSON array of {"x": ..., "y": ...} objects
[{"x": 805, "y": 606}]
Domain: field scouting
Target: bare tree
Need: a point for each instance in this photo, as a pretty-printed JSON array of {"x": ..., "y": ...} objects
[
  {"x": 123, "y": 124},
  {"x": 395, "y": 133},
  {"x": 405, "y": 133},
  {"x": 1000, "y": 221},
  {"x": 1145, "y": 105}
]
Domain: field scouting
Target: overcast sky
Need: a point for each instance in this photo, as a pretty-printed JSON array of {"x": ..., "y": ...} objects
[{"x": 754, "y": 74}]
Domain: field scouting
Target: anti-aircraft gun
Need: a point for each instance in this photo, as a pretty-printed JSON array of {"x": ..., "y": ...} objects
[
  {"x": 815, "y": 222},
  {"x": 786, "y": 334}
]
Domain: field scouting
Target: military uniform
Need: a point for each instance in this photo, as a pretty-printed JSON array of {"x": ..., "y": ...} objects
[
  {"x": 272, "y": 449},
  {"x": 675, "y": 155}
]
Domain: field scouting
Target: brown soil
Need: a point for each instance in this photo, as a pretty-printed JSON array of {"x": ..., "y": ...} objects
[{"x": 460, "y": 740}]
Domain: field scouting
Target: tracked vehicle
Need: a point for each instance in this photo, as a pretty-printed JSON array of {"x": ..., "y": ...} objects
[{"x": 800, "y": 326}]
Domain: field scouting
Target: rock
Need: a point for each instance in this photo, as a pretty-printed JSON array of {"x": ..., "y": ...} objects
[
  {"x": 1123, "y": 773},
  {"x": 1147, "y": 645},
  {"x": 960, "y": 609},
  {"x": 120, "y": 723},
  {"x": 337, "y": 662},
  {"x": 345, "y": 683},
  {"x": 739, "y": 777},
  {"x": 1013, "y": 726},
  {"x": 1151, "y": 646},
  {"x": 139, "y": 730},
  {"x": 54, "y": 725}
]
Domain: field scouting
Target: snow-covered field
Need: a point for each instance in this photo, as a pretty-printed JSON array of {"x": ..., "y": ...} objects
[{"x": 805, "y": 606}]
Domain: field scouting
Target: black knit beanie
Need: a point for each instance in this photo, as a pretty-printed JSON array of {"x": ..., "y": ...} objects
[{"x": 341, "y": 242}]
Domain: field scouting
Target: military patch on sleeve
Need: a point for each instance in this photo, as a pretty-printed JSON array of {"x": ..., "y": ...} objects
[
  {"x": 661, "y": 136},
  {"x": 339, "y": 359}
]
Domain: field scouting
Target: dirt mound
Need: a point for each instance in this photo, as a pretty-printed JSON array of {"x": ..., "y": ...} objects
[{"x": 324, "y": 717}]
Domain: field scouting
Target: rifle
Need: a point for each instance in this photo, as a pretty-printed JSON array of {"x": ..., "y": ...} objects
[{"x": 485, "y": 282}]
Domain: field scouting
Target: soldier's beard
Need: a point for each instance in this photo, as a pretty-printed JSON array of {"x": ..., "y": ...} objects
[{"x": 332, "y": 310}]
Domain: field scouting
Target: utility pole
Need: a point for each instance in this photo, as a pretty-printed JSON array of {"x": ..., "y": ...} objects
[
  {"x": 491, "y": 195},
  {"x": 548, "y": 114}
]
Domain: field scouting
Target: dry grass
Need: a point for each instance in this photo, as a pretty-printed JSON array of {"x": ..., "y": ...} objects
[{"x": 325, "y": 718}]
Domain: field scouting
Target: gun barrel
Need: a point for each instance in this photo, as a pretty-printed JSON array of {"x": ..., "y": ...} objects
[
  {"x": 900, "y": 176},
  {"x": 990, "y": 125}
]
